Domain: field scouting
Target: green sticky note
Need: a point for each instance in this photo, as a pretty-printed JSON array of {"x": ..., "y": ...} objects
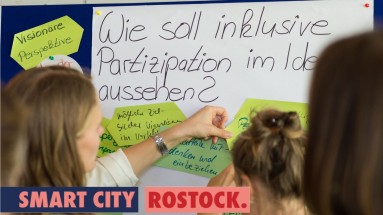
[
  {"x": 241, "y": 120},
  {"x": 236, "y": 127},
  {"x": 199, "y": 157},
  {"x": 107, "y": 143},
  {"x": 133, "y": 124},
  {"x": 60, "y": 36}
]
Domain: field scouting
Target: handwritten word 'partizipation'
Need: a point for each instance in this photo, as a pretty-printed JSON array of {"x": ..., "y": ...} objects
[{"x": 144, "y": 63}]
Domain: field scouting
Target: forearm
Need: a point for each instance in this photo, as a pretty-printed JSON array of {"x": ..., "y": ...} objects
[
  {"x": 207, "y": 122},
  {"x": 143, "y": 155}
]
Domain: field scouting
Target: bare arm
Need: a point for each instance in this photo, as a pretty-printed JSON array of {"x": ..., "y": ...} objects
[{"x": 207, "y": 122}]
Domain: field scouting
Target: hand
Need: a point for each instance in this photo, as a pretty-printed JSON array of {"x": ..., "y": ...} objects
[
  {"x": 223, "y": 179},
  {"x": 207, "y": 122}
]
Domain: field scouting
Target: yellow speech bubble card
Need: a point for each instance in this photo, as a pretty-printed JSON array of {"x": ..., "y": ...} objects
[{"x": 60, "y": 36}]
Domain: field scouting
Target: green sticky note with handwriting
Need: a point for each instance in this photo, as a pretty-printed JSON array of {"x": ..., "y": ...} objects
[
  {"x": 107, "y": 143},
  {"x": 133, "y": 124},
  {"x": 198, "y": 157},
  {"x": 60, "y": 36},
  {"x": 241, "y": 120}
]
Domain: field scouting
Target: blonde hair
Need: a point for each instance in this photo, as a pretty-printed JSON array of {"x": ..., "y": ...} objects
[
  {"x": 272, "y": 150},
  {"x": 60, "y": 100},
  {"x": 13, "y": 139}
]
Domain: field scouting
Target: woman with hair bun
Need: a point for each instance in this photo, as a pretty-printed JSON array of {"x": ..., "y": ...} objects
[{"x": 268, "y": 157}]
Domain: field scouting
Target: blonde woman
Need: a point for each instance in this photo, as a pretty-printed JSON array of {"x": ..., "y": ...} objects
[{"x": 65, "y": 125}]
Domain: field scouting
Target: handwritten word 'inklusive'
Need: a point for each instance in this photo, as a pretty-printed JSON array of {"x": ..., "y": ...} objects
[{"x": 253, "y": 27}]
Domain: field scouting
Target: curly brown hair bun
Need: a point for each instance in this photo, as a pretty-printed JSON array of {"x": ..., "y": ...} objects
[{"x": 272, "y": 149}]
